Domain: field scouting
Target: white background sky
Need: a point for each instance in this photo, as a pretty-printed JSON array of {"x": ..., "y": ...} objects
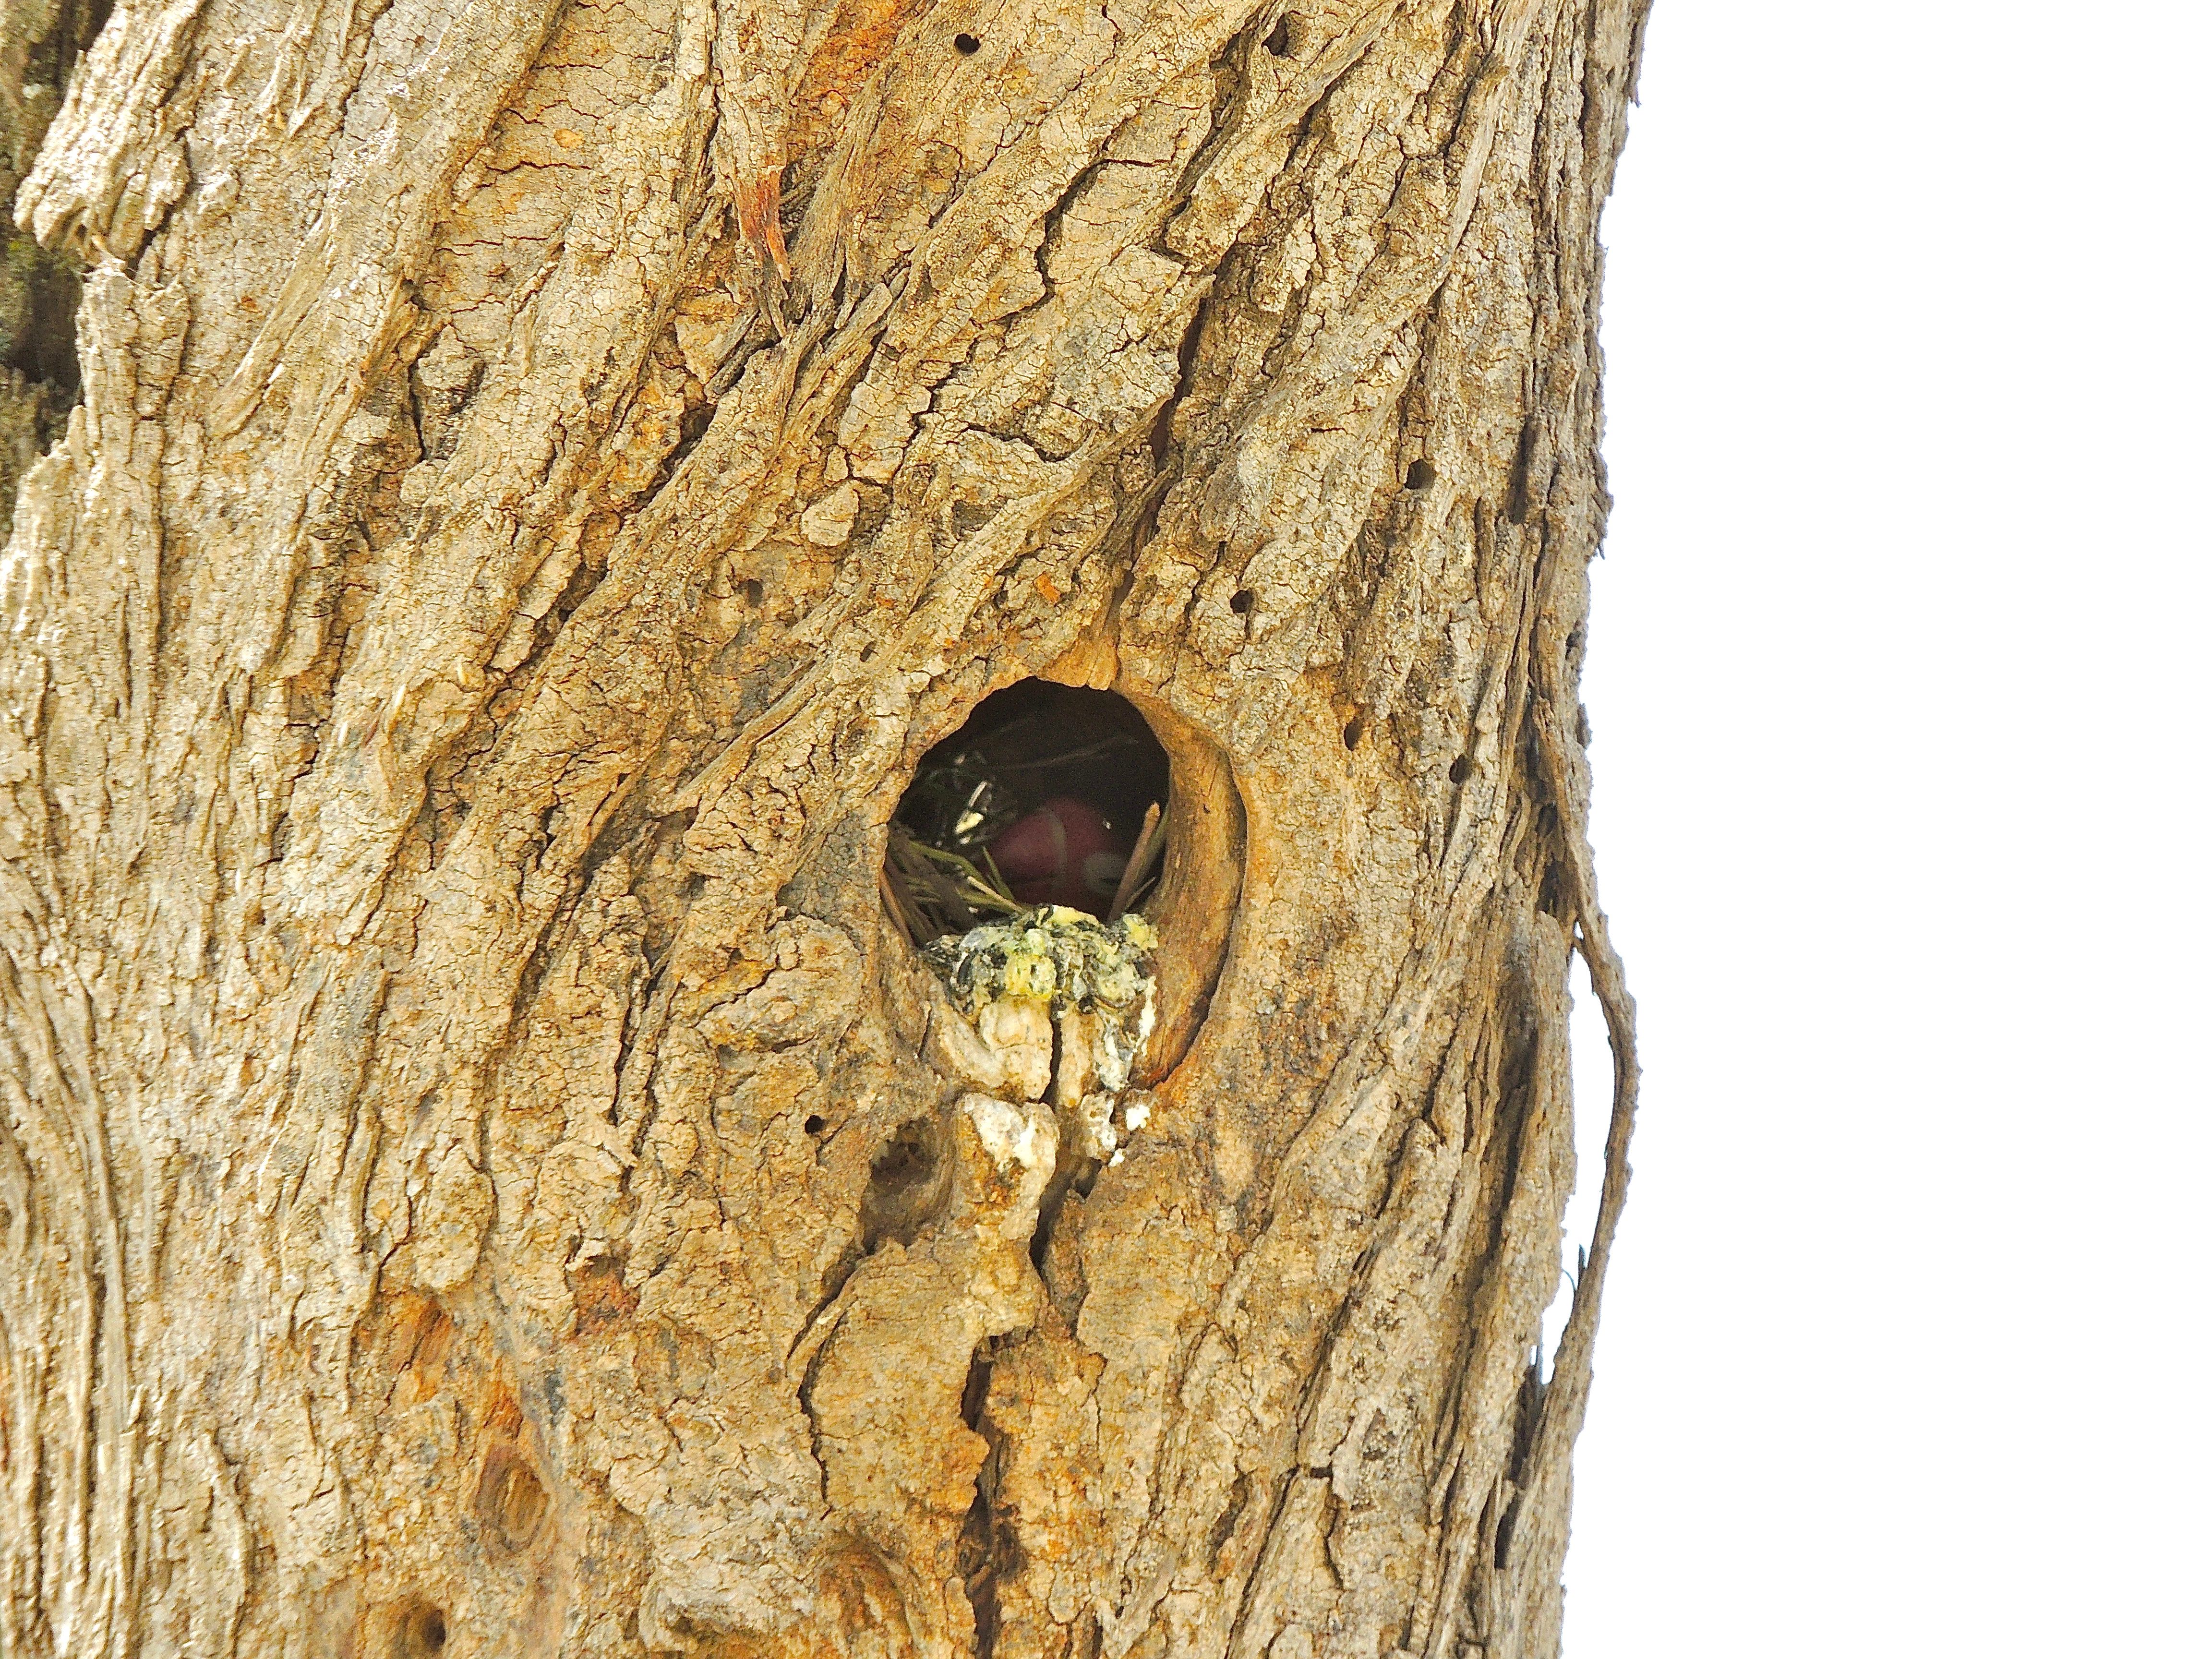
[{"x": 1898, "y": 681}]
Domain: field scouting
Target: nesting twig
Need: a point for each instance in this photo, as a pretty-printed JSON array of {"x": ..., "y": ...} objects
[
  {"x": 1146, "y": 854},
  {"x": 928, "y": 887},
  {"x": 991, "y": 893},
  {"x": 933, "y": 892},
  {"x": 894, "y": 901}
]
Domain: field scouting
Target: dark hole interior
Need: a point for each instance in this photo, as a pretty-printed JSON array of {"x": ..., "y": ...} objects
[
  {"x": 420, "y": 1632},
  {"x": 1421, "y": 474},
  {"x": 1241, "y": 601},
  {"x": 966, "y": 44},
  {"x": 38, "y": 295},
  {"x": 1042, "y": 798},
  {"x": 1279, "y": 38}
]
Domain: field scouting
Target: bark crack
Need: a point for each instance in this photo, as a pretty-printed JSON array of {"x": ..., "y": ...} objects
[{"x": 989, "y": 1543}]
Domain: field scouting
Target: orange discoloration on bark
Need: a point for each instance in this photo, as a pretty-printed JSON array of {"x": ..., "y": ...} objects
[
  {"x": 603, "y": 1300},
  {"x": 760, "y": 207},
  {"x": 854, "y": 45},
  {"x": 502, "y": 1413}
]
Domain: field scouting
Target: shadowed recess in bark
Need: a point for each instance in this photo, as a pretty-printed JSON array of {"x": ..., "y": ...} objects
[
  {"x": 511, "y": 1500},
  {"x": 40, "y": 382},
  {"x": 38, "y": 294},
  {"x": 990, "y": 1540},
  {"x": 415, "y": 1629},
  {"x": 907, "y": 1185}
]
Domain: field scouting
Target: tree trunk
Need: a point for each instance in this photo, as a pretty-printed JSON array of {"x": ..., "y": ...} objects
[{"x": 483, "y": 1172}]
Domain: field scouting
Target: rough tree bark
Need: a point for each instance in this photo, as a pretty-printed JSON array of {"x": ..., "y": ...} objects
[{"x": 546, "y": 471}]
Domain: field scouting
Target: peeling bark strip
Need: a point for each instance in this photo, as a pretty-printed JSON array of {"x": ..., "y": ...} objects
[{"x": 480, "y": 1169}]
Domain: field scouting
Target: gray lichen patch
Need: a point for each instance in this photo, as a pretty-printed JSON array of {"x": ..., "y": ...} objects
[
  {"x": 1016, "y": 980},
  {"x": 1067, "y": 960}
]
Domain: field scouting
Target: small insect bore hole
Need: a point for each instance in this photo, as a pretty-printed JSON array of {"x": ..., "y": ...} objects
[
  {"x": 1351, "y": 731},
  {"x": 1421, "y": 474},
  {"x": 816, "y": 1123},
  {"x": 1460, "y": 769},
  {"x": 966, "y": 44},
  {"x": 1241, "y": 601}
]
